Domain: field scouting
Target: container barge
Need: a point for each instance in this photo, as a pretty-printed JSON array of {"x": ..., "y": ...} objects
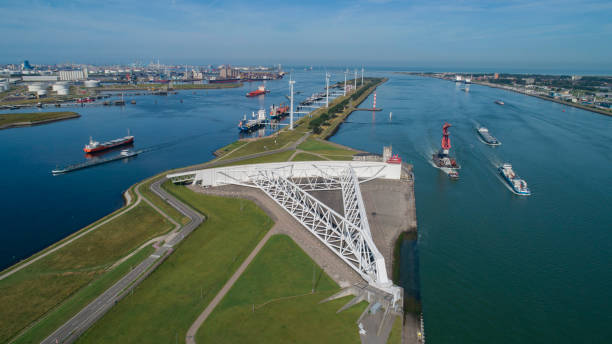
[
  {"x": 487, "y": 137},
  {"x": 94, "y": 162}
]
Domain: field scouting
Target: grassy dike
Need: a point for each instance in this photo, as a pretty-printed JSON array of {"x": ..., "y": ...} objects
[
  {"x": 94, "y": 279},
  {"x": 36, "y": 291},
  {"x": 166, "y": 303},
  {"x": 14, "y": 120}
]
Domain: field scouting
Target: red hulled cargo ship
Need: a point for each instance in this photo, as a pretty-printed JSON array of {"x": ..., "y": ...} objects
[{"x": 95, "y": 146}]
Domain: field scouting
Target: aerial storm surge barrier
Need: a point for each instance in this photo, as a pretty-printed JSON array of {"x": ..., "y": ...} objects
[{"x": 288, "y": 184}]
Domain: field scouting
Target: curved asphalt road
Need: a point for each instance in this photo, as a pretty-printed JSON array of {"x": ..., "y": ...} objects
[{"x": 74, "y": 327}]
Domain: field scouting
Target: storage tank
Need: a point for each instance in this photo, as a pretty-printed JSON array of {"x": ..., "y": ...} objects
[
  {"x": 91, "y": 83},
  {"x": 62, "y": 91},
  {"x": 34, "y": 87},
  {"x": 59, "y": 85}
]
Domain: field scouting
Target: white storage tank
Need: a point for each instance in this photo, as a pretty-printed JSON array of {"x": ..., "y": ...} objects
[
  {"x": 91, "y": 83},
  {"x": 59, "y": 85},
  {"x": 35, "y": 87},
  {"x": 62, "y": 91}
]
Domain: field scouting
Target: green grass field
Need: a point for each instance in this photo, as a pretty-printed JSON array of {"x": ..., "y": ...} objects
[
  {"x": 163, "y": 307},
  {"x": 33, "y": 117},
  {"x": 30, "y": 293},
  {"x": 276, "y": 157},
  {"x": 278, "y": 285},
  {"x": 324, "y": 148},
  {"x": 306, "y": 157}
]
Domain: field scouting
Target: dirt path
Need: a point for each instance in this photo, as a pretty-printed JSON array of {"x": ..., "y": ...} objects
[{"x": 189, "y": 338}]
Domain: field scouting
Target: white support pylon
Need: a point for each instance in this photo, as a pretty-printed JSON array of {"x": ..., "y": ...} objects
[
  {"x": 291, "y": 82},
  {"x": 362, "y": 75},
  {"x": 355, "y": 79},
  {"x": 327, "y": 90},
  {"x": 345, "y": 72}
]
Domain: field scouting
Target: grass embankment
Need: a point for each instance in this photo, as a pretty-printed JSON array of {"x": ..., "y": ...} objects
[
  {"x": 306, "y": 157},
  {"x": 25, "y": 119},
  {"x": 326, "y": 149},
  {"x": 272, "y": 302},
  {"x": 58, "y": 316},
  {"x": 165, "y": 304},
  {"x": 395, "y": 337},
  {"x": 35, "y": 290}
]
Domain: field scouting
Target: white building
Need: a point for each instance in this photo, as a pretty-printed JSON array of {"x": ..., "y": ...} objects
[{"x": 72, "y": 75}]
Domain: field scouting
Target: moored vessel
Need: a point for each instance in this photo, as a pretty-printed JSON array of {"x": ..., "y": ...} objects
[
  {"x": 95, "y": 146},
  {"x": 276, "y": 112},
  {"x": 487, "y": 137},
  {"x": 257, "y": 121},
  {"x": 517, "y": 185}
]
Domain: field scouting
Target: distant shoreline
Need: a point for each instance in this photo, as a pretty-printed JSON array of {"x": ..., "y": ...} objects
[{"x": 579, "y": 106}]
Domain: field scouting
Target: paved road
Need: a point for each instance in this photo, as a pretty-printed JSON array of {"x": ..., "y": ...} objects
[{"x": 70, "y": 331}]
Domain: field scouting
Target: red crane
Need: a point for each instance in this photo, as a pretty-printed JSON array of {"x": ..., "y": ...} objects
[{"x": 446, "y": 144}]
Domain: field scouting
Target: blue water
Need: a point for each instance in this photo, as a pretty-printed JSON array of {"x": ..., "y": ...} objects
[
  {"x": 496, "y": 267},
  {"x": 39, "y": 209}
]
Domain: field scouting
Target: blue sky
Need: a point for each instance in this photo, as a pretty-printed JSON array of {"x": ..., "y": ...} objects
[{"x": 400, "y": 33}]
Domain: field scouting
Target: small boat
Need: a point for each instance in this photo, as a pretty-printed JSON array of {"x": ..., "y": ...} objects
[
  {"x": 133, "y": 102},
  {"x": 453, "y": 175},
  {"x": 499, "y": 102}
]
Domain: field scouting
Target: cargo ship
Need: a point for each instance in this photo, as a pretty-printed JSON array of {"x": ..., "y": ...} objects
[
  {"x": 487, "y": 137},
  {"x": 499, "y": 102},
  {"x": 95, "y": 146},
  {"x": 518, "y": 185},
  {"x": 257, "y": 121},
  {"x": 259, "y": 91},
  {"x": 442, "y": 159},
  {"x": 276, "y": 112}
]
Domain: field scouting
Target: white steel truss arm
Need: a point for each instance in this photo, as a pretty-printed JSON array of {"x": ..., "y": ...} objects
[{"x": 335, "y": 231}]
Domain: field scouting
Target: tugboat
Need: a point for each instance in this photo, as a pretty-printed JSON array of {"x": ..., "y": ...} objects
[
  {"x": 518, "y": 185},
  {"x": 442, "y": 159}
]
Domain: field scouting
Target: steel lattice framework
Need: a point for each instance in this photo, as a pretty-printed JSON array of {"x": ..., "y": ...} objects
[{"x": 348, "y": 235}]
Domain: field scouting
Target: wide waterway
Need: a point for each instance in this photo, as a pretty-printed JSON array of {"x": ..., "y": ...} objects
[
  {"x": 496, "y": 267},
  {"x": 39, "y": 209}
]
